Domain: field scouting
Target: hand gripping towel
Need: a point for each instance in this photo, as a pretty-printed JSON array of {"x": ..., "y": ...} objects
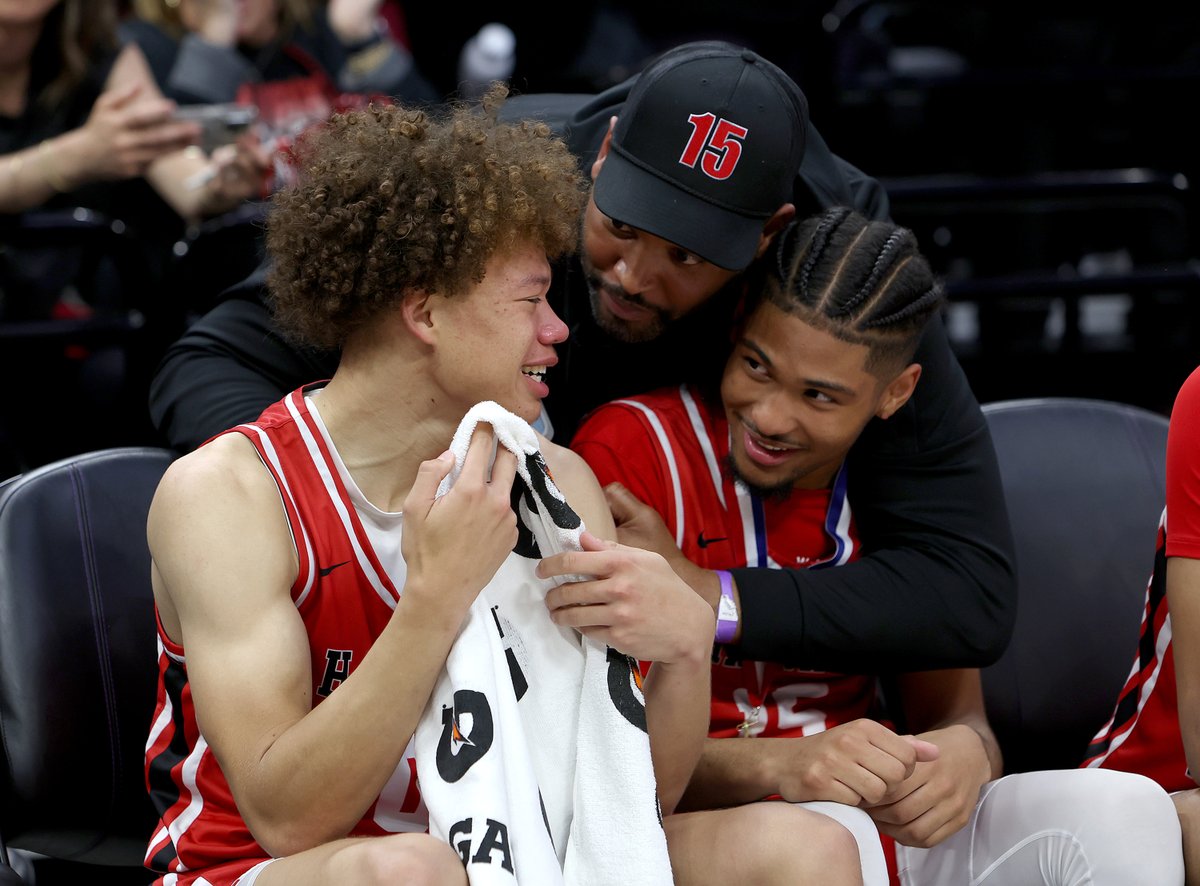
[{"x": 532, "y": 754}]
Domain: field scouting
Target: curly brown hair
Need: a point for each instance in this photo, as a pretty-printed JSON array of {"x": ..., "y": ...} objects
[{"x": 391, "y": 199}]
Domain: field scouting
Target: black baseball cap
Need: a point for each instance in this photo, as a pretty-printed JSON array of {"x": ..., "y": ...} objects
[{"x": 705, "y": 149}]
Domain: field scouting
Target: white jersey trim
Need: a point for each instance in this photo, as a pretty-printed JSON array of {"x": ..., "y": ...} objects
[
  {"x": 164, "y": 719},
  {"x": 702, "y": 437},
  {"x": 749, "y": 536},
  {"x": 665, "y": 445},
  {"x": 1161, "y": 642},
  {"x": 268, "y": 451},
  {"x": 324, "y": 470},
  {"x": 191, "y": 766},
  {"x": 1144, "y": 693}
]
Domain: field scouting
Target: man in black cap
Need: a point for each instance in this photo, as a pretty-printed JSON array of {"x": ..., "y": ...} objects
[
  {"x": 697, "y": 163},
  {"x": 713, "y": 177}
]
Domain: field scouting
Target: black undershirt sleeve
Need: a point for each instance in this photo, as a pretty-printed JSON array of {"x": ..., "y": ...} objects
[{"x": 228, "y": 367}]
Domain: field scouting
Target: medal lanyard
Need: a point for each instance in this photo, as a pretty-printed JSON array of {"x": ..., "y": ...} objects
[{"x": 836, "y": 525}]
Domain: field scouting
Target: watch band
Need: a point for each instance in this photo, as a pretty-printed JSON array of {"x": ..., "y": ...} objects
[{"x": 727, "y": 614}]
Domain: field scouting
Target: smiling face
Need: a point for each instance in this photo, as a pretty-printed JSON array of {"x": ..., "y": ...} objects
[
  {"x": 797, "y": 398},
  {"x": 496, "y": 341}
]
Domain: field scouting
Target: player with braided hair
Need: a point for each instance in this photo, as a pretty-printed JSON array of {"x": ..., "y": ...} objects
[
  {"x": 863, "y": 282},
  {"x": 756, "y": 474}
]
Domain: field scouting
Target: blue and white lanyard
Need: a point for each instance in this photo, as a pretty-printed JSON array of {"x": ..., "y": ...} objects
[{"x": 837, "y": 525}]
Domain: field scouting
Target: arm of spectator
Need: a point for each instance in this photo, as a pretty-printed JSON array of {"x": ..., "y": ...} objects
[
  {"x": 224, "y": 564},
  {"x": 130, "y": 132},
  {"x": 200, "y": 187},
  {"x": 128, "y": 128},
  {"x": 637, "y": 605},
  {"x": 937, "y": 799},
  {"x": 825, "y": 179},
  {"x": 194, "y": 185},
  {"x": 354, "y": 21},
  {"x": 935, "y": 586},
  {"x": 375, "y": 60}
]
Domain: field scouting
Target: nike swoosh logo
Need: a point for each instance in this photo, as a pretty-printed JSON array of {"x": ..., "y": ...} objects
[
  {"x": 705, "y": 542},
  {"x": 328, "y": 569}
]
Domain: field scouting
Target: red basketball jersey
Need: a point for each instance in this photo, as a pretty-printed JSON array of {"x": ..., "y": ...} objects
[
  {"x": 1143, "y": 734},
  {"x": 345, "y": 598},
  {"x": 670, "y": 449}
]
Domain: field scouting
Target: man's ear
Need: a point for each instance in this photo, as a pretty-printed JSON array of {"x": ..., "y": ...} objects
[
  {"x": 604, "y": 146},
  {"x": 417, "y": 313},
  {"x": 774, "y": 225},
  {"x": 898, "y": 390}
]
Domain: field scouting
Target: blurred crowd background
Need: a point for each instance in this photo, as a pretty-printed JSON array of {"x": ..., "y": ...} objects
[{"x": 1044, "y": 153}]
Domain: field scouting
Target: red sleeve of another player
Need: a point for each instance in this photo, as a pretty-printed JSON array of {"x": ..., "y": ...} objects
[
  {"x": 620, "y": 447},
  {"x": 1183, "y": 472}
]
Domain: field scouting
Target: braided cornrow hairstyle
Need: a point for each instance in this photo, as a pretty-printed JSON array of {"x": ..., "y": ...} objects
[{"x": 862, "y": 281}]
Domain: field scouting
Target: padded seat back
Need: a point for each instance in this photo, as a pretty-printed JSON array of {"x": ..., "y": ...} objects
[
  {"x": 77, "y": 655},
  {"x": 1085, "y": 483}
]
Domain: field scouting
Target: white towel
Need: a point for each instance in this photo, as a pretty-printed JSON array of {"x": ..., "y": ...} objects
[{"x": 532, "y": 755}]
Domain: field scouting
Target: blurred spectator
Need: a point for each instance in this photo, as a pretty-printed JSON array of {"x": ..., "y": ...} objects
[
  {"x": 296, "y": 61},
  {"x": 83, "y": 125},
  {"x": 78, "y": 114}
]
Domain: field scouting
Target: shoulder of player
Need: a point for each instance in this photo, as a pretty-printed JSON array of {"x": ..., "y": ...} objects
[
  {"x": 220, "y": 498},
  {"x": 579, "y": 486},
  {"x": 1188, "y": 397},
  {"x": 666, "y": 404},
  {"x": 571, "y": 473},
  {"x": 223, "y": 476}
]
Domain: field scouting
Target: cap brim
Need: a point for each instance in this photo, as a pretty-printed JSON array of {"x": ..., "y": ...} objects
[{"x": 632, "y": 195}]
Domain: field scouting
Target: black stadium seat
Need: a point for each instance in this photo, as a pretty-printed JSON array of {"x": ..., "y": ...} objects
[
  {"x": 77, "y": 663},
  {"x": 1085, "y": 485}
]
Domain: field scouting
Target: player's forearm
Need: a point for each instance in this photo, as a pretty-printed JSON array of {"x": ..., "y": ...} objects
[
  {"x": 318, "y": 777},
  {"x": 677, "y": 709},
  {"x": 950, "y": 700},
  {"x": 731, "y": 771},
  {"x": 26, "y": 175}
]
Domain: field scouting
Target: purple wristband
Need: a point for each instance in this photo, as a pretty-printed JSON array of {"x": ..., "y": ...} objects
[{"x": 727, "y": 614}]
